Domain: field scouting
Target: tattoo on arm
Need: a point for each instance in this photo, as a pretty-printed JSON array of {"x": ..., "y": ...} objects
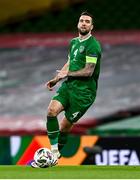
[{"x": 87, "y": 71}]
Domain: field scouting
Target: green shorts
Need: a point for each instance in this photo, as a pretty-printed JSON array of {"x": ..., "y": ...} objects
[{"x": 75, "y": 102}]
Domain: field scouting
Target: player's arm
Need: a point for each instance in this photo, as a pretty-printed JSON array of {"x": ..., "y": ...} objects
[
  {"x": 50, "y": 84},
  {"x": 65, "y": 67},
  {"x": 87, "y": 71}
]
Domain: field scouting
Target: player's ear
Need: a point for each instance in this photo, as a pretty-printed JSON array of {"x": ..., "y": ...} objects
[
  {"x": 77, "y": 24},
  {"x": 92, "y": 27}
]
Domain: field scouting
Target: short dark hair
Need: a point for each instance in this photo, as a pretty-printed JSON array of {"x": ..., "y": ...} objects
[{"x": 86, "y": 13}]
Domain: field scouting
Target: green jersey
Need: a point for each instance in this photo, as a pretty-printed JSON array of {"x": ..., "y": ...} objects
[
  {"x": 82, "y": 52},
  {"x": 77, "y": 94}
]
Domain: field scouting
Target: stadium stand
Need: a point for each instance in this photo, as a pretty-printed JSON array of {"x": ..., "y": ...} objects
[{"x": 29, "y": 60}]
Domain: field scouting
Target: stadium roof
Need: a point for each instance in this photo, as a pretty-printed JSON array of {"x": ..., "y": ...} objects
[{"x": 11, "y": 11}]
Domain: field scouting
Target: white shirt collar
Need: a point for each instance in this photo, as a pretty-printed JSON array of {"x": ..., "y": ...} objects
[{"x": 81, "y": 40}]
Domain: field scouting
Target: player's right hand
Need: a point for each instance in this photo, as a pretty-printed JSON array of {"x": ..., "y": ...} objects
[
  {"x": 50, "y": 84},
  {"x": 62, "y": 74}
]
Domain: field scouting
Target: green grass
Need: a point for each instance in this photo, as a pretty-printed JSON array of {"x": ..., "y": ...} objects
[{"x": 70, "y": 172}]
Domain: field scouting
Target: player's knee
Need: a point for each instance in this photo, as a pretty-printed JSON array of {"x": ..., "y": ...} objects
[{"x": 52, "y": 111}]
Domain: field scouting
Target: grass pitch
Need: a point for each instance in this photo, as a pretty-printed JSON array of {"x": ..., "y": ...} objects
[{"x": 70, "y": 172}]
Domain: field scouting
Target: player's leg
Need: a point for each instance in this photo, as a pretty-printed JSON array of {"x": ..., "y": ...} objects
[
  {"x": 54, "y": 108},
  {"x": 79, "y": 104},
  {"x": 65, "y": 127},
  {"x": 58, "y": 104}
]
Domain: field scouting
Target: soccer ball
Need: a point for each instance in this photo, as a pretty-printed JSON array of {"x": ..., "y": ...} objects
[{"x": 43, "y": 157}]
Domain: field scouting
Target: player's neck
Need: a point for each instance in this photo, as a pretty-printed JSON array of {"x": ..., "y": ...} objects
[{"x": 83, "y": 37}]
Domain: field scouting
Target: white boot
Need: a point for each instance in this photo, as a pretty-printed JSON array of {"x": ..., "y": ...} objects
[{"x": 57, "y": 155}]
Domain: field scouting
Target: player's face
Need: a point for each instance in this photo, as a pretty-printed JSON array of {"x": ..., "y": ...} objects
[{"x": 85, "y": 25}]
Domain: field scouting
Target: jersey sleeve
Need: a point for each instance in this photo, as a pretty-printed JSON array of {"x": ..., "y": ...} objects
[
  {"x": 92, "y": 54},
  {"x": 70, "y": 45}
]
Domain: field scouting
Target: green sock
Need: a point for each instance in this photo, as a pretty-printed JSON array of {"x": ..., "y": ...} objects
[
  {"x": 52, "y": 129},
  {"x": 62, "y": 139}
]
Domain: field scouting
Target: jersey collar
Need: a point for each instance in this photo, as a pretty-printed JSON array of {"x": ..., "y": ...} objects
[{"x": 81, "y": 40}]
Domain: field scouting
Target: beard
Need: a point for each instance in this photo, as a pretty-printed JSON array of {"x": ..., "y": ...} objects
[{"x": 83, "y": 32}]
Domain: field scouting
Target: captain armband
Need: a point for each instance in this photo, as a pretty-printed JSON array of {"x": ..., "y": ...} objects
[{"x": 91, "y": 59}]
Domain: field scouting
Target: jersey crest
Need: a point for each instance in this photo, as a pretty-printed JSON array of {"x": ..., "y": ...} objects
[{"x": 81, "y": 49}]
